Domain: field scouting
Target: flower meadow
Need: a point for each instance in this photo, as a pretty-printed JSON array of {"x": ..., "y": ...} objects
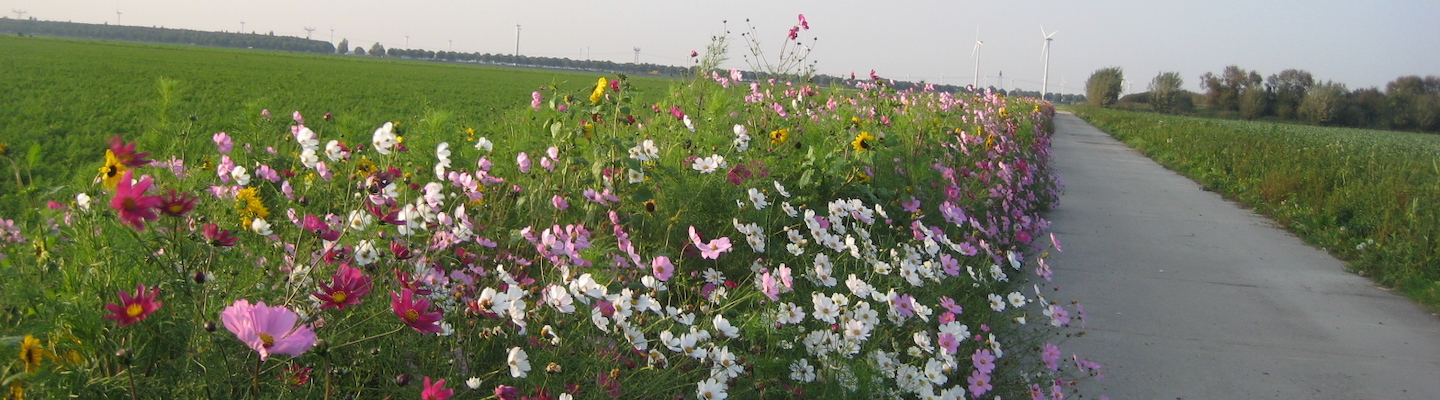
[{"x": 745, "y": 239}]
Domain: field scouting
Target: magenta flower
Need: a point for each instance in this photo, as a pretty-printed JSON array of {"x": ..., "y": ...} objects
[
  {"x": 415, "y": 312},
  {"x": 948, "y": 342},
  {"x": 535, "y": 99},
  {"x": 218, "y": 237},
  {"x": 436, "y": 391},
  {"x": 662, "y": 268},
  {"x": 131, "y": 202},
  {"x": 711, "y": 249},
  {"x": 134, "y": 307},
  {"x": 804, "y": 24},
  {"x": 346, "y": 288},
  {"x": 268, "y": 329},
  {"x": 125, "y": 152}
]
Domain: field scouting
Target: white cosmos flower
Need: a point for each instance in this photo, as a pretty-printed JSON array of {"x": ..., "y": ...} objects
[
  {"x": 83, "y": 200},
  {"x": 384, "y": 138},
  {"x": 473, "y": 383},
  {"x": 334, "y": 151},
  {"x": 365, "y": 253},
  {"x": 634, "y": 176},
  {"x": 261, "y": 227},
  {"x": 711, "y": 389},
  {"x": 1016, "y": 299},
  {"x": 241, "y": 175},
  {"x": 758, "y": 198},
  {"x": 309, "y": 157},
  {"x": 997, "y": 303},
  {"x": 519, "y": 362},
  {"x": 723, "y": 326}
]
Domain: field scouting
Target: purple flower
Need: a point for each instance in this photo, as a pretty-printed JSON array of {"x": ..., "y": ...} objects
[
  {"x": 662, "y": 268},
  {"x": 268, "y": 330},
  {"x": 1050, "y": 354},
  {"x": 223, "y": 140},
  {"x": 524, "y": 161},
  {"x": 984, "y": 361},
  {"x": 979, "y": 383},
  {"x": 560, "y": 203},
  {"x": 711, "y": 249}
]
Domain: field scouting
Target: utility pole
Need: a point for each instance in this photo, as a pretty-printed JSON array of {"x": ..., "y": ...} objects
[
  {"x": 637, "y": 56},
  {"x": 308, "y": 31},
  {"x": 517, "y": 45}
]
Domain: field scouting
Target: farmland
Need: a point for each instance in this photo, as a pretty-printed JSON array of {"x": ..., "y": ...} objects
[
  {"x": 68, "y": 95},
  {"x": 1366, "y": 196}
]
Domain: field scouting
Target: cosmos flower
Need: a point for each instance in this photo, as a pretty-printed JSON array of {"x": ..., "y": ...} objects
[
  {"x": 436, "y": 391},
  {"x": 130, "y": 201},
  {"x": 268, "y": 329},
  {"x": 134, "y": 307},
  {"x": 415, "y": 312},
  {"x": 711, "y": 249},
  {"x": 345, "y": 289}
]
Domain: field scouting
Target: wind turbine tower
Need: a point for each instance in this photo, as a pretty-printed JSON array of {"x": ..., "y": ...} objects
[
  {"x": 1045, "y": 53},
  {"x": 242, "y": 26},
  {"x": 308, "y": 31},
  {"x": 117, "y": 16},
  {"x": 975, "y": 52}
]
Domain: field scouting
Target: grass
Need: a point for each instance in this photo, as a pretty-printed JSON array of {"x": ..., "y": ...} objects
[
  {"x": 66, "y": 94},
  {"x": 1366, "y": 196},
  {"x": 586, "y": 231}
]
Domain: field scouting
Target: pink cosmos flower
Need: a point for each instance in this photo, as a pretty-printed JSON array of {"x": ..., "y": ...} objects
[
  {"x": 662, "y": 268},
  {"x": 346, "y": 288},
  {"x": 134, "y": 307},
  {"x": 125, "y": 152},
  {"x": 223, "y": 140},
  {"x": 769, "y": 287},
  {"x": 804, "y": 24},
  {"x": 524, "y": 161},
  {"x": 436, "y": 391},
  {"x": 131, "y": 202},
  {"x": 984, "y": 361},
  {"x": 415, "y": 312},
  {"x": 268, "y": 329},
  {"x": 711, "y": 249},
  {"x": 560, "y": 203},
  {"x": 1050, "y": 354},
  {"x": 948, "y": 342},
  {"x": 979, "y": 384}
]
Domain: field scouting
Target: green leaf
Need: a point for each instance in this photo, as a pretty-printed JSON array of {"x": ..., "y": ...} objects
[
  {"x": 805, "y": 179},
  {"x": 33, "y": 156}
]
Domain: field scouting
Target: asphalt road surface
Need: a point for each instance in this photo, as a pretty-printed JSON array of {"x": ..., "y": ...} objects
[{"x": 1190, "y": 296}]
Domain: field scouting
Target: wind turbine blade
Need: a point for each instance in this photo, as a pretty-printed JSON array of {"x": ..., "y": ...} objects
[{"x": 1051, "y": 34}]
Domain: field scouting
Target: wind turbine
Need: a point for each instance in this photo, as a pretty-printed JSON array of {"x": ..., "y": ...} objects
[
  {"x": 308, "y": 32},
  {"x": 117, "y": 16},
  {"x": 1045, "y": 53},
  {"x": 975, "y": 52},
  {"x": 20, "y": 14}
]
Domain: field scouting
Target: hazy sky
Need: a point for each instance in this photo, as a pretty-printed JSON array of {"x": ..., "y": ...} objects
[{"x": 1359, "y": 43}]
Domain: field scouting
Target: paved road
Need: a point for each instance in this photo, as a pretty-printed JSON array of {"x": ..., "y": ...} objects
[{"x": 1192, "y": 297}]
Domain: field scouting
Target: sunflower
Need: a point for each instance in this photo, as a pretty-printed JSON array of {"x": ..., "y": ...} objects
[
  {"x": 599, "y": 92},
  {"x": 863, "y": 141},
  {"x": 250, "y": 205},
  {"x": 31, "y": 353},
  {"x": 650, "y": 206},
  {"x": 113, "y": 169},
  {"x": 779, "y": 136}
]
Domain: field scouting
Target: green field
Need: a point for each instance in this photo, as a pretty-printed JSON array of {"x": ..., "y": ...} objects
[
  {"x": 68, "y": 95},
  {"x": 1366, "y": 196}
]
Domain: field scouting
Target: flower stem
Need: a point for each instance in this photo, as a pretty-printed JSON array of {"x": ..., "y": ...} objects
[
  {"x": 255, "y": 384},
  {"x": 130, "y": 371},
  {"x": 371, "y": 337}
]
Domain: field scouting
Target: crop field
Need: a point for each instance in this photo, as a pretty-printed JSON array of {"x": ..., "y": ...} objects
[
  {"x": 201, "y": 223},
  {"x": 69, "y": 96},
  {"x": 1366, "y": 196}
]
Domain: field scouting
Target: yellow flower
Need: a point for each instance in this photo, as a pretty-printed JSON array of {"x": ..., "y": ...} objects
[
  {"x": 4, "y": 149},
  {"x": 779, "y": 136},
  {"x": 589, "y": 130},
  {"x": 863, "y": 141},
  {"x": 860, "y": 176},
  {"x": 365, "y": 167},
  {"x": 17, "y": 391},
  {"x": 31, "y": 354},
  {"x": 112, "y": 171},
  {"x": 599, "y": 92},
  {"x": 250, "y": 205}
]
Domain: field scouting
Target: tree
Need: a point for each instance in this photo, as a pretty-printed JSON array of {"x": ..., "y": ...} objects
[
  {"x": 1223, "y": 91},
  {"x": 359, "y": 51},
  {"x": 1324, "y": 103},
  {"x": 1254, "y": 100},
  {"x": 344, "y": 46},
  {"x": 1103, "y": 87},
  {"x": 1289, "y": 88},
  {"x": 377, "y": 50},
  {"x": 1166, "y": 92}
]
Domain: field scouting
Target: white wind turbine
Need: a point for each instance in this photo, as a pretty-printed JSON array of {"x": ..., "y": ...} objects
[
  {"x": 975, "y": 52},
  {"x": 1045, "y": 53}
]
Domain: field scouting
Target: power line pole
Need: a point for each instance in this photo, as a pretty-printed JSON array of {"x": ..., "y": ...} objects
[
  {"x": 20, "y": 14},
  {"x": 407, "y": 42},
  {"x": 452, "y": 44},
  {"x": 637, "y": 56}
]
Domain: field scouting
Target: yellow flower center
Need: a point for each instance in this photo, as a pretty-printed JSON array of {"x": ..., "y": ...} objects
[
  {"x": 134, "y": 310},
  {"x": 266, "y": 340},
  {"x": 412, "y": 315},
  {"x": 338, "y": 297}
]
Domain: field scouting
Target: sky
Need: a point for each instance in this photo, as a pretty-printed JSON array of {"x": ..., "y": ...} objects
[{"x": 1360, "y": 44}]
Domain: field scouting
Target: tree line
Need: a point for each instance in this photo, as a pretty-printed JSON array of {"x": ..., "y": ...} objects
[
  {"x": 163, "y": 35},
  {"x": 1408, "y": 103}
]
